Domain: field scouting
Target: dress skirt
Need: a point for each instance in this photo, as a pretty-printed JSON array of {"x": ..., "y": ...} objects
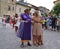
[{"x": 24, "y": 31}]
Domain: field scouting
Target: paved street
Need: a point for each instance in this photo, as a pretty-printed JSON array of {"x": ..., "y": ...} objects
[{"x": 8, "y": 39}]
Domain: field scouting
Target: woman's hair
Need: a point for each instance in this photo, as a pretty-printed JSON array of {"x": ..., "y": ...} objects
[
  {"x": 36, "y": 13},
  {"x": 26, "y": 10}
]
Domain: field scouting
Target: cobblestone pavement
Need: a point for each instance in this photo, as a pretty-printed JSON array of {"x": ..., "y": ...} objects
[{"x": 8, "y": 39}]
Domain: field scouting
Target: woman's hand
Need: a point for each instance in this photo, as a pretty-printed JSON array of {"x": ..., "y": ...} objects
[
  {"x": 32, "y": 21},
  {"x": 26, "y": 21}
]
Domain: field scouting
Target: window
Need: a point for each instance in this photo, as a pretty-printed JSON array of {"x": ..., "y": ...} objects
[
  {"x": 9, "y": 8},
  {"x": 12, "y": 0},
  {"x": 13, "y": 8},
  {"x": 19, "y": 9}
]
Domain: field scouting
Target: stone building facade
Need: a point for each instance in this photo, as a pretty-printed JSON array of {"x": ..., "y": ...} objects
[
  {"x": 10, "y": 7},
  {"x": 7, "y": 7},
  {"x": 44, "y": 10},
  {"x": 56, "y": 2},
  {"x": 21, "y": 6}
]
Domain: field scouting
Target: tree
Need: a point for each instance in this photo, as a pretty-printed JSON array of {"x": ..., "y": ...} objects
[
  {"x": 52, "y": 12},
  {"x": 43, "y": 14},
  {"x": 56, "y": 9}
]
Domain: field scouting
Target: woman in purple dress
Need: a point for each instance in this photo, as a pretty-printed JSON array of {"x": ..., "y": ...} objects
[{"x": 24, "y": 31}]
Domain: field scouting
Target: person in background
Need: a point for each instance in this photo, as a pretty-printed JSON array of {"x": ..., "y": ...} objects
[
  {"x": 10, "y": 21},
  {"x": 37, "y": 29},
  {"x": 48, "y": 21},
  {"x": 0, "y": 20},
  {"x": 58, "y": 23},
  {"x": 4, "y": 20},
  {"x": 17, "y": 22},
  {"x": 24, "y": 31},
  {"x": 13, "y": 21},
  {"x": 44, "y": 24},
  {"x": 54, "y": 19},
  {"x": 7, "y": 19}
]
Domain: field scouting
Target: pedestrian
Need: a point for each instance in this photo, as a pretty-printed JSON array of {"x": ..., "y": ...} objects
[
  {"x": 54, "y": 20},
  {"x": 37, "y": 29},
  {"x": 17, "y": 22},
  {"x": 24, "y": 31},
  {"x": 10, "y": 21},
  {"x": 13, "y": 21},
  {"x": 7, "y": 19},
  {"x": 4, "y": 20},
  {"x": 44, "y": 24},
  {"x": 58, "y": 23},
  {"x": 0, "y": 20},
  {"x": 48, "y": 21}
]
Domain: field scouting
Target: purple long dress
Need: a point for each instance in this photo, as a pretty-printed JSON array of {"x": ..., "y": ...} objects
[{"x": 24, "y": 31}]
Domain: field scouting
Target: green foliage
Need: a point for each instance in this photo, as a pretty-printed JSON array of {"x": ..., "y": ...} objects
[
  {"x": 56, "y": 9},
  {"x": 44, "y": 14},
  {"x": 52, "y": 12}
]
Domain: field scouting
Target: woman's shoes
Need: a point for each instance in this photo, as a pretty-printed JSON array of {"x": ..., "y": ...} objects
[
  {"x": 29, "y": 44},
  {"x": 22, "y": 46},
  {"x": 40, "y": 43}
]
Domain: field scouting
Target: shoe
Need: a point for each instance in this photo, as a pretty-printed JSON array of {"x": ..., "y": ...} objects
[
  {"x": 29, "y": 44},
  {"x": 40, "y": 43},
  {"x": 22, "y": 45}
]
